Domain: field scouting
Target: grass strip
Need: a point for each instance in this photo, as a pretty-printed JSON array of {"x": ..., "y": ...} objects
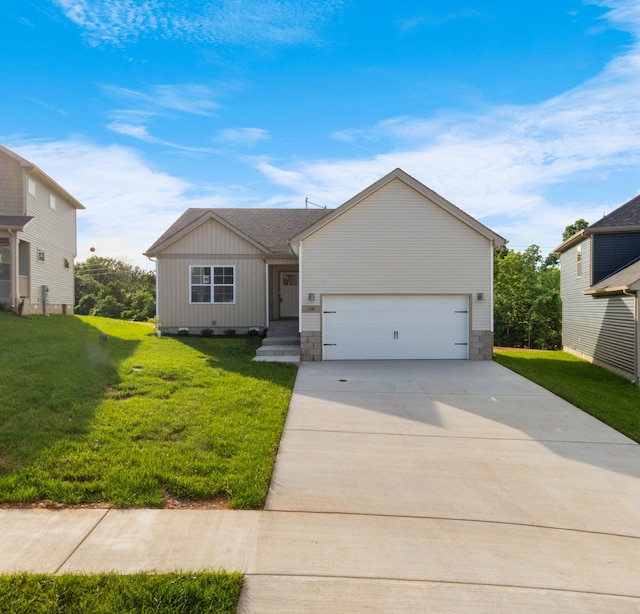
[
  {"x": 608, "y": 397},
  {"x": 176, "y": 593},
  {"x": 96, "y": 410}
]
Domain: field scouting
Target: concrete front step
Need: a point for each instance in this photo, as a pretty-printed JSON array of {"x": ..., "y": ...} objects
[
  {"x": 278, "y": 350},
  {"x": 289, "y": 359},
  {"x": 284, "y": 340}
]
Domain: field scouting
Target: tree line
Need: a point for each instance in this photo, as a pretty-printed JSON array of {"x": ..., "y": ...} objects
[
  {"x": 114, "y": 289},
  {"x": 527, "y": 306}
]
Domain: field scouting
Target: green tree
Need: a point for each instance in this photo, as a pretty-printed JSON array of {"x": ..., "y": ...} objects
[
  {"x": 526, "y": 299},
  {"x": 115, "y": 289},
  {"x": 577, "y": 226}
]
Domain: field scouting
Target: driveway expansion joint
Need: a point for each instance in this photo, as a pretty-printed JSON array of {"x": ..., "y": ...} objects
[{"x": 82, "y": 541}]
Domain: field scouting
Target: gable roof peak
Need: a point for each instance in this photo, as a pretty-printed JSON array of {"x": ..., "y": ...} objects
[{"x": 422, "y": 189}]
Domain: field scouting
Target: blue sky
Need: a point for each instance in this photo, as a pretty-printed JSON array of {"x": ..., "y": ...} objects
[{"x": 526, "y": 115}]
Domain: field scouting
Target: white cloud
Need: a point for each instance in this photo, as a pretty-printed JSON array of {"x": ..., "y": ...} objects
[
  {"x": 134, "y": 130},
  {"x": 191, "y": 98},
  {"x": 407, "y": 25},
  {"x": 243, "y": 22},
  {"x": 248, "y": 137}
]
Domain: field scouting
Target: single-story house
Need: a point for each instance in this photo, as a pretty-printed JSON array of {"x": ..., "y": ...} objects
[
  {"x": 397, "y": 271},
  {"x": 37, "y": 238},
  {"x": 600, "y": 279}
]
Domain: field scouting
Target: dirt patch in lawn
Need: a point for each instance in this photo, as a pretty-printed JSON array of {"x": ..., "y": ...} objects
[
  {"x": 501, "y": 349},
  {"x": 170, "y": 503}
]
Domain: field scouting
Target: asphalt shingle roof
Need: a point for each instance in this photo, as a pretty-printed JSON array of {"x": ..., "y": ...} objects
[
  {"x": 625, "y": 215},
  {"x": 271, "y": 228},
  {"x": 622, "y": 279},
  {"x": 14, "y": 221}
]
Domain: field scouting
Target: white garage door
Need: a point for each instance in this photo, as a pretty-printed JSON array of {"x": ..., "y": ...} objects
[{"x": 383, "y": 327}]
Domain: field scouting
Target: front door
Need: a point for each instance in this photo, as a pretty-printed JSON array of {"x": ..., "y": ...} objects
[{"x": 288, "y": 295}]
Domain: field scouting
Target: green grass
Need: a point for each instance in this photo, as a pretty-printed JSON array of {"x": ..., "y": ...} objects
[
  {"x": 197, "y": 593},
  {"x": 605, "y": 395},
  {"x": 132, "y": 419}
]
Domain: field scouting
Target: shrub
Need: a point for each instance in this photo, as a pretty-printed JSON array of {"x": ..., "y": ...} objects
[
  {"x": 207, "y": 332},
  {"x": 230, "y": 332}
]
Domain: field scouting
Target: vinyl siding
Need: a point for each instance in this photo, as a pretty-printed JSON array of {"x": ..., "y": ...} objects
[
  {"x": 598, "y": 328},
  {"x": 54, "y": 232},
  {"x": 211, "y": 237},
  {"x": 397, "y": 242},
  {"x": 174, "y": 309},
  {"x": 12, "y": 186},
  {"x": 211, "y": 244}
]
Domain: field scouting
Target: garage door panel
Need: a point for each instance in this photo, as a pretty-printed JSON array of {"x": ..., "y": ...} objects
[{"x": 388, "y": 327}]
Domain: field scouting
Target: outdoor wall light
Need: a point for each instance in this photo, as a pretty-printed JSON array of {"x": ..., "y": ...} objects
[
  {"x": 480, "y": 296},
  {"x": 312, "y": 296}
]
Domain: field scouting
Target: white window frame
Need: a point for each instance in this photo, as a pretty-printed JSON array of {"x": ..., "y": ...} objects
[
  {"x": 31, "y": 186},
  {"x": 52, "y": 201},
  {"x": 211, "y": 283},
  {"x": 579, "y": 260}
]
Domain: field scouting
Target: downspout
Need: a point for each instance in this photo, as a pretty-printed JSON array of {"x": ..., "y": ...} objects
[
  {"x": 636, "y": 317},
  {"x": 300, "y": 288},
  {"x": 491, "y": 256},
  {"x": 158, "y": 331},
  {"x": 14, "y": 291},
  {"x": 266, "y": 285}
]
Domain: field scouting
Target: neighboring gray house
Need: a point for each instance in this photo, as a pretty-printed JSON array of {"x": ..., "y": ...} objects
[
  {"x": 600, "y": 279},
  {"x": 395, "y": 272},
  {"x": 37, "y": 238}
]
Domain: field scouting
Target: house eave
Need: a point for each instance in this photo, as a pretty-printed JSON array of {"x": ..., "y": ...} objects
[
  {"x": 607, "y": 291},
  {"x": 43, "y": 178},
  {"x": 14, "y": 223},
  {"x": 571, "y": 241}
]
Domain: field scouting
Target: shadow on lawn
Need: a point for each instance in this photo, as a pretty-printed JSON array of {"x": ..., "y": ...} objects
[
  {"x": 56, "y": 371},
  {"x": 235, "y": 354}
]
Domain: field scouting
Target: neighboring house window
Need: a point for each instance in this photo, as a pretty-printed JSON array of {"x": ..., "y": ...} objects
[
  {"x": 579, "y": 261},
  {"x": 212, "y": 284},
  {"x": 66, "y": 263},
  {"x": 31, "y": 186},
  {"x": 52, "y": 201}
]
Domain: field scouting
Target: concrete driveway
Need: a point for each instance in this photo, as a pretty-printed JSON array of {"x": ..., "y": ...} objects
[{"x": 444, "y": 486}]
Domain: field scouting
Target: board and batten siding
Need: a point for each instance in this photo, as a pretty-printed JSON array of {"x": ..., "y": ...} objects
[
  {"x": 396, "y": 241},
  {"x": 53, "y": 231},
  {"x": 211, "y": 244},
  {"x": 601, "y": 329}
]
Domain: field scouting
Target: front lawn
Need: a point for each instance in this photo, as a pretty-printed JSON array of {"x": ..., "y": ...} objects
[
  {"x": 193, "y": 593},
  {"x": 100, "y": 411},
  {"x": 605, "y": 395}
]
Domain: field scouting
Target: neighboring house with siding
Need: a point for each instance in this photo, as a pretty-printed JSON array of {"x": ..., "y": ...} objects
[
  {"x": 600, "y": 279},
  {"x": 395, "y": 272},
  {"x": 37, "y": 238}
]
